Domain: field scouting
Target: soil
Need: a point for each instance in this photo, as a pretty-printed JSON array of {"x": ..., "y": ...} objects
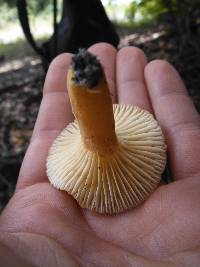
[
  {"x": 21, "y": 81},
  {"x": 20, "y": 91}
]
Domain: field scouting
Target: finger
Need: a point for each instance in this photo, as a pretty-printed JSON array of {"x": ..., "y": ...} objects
[
  {"x": 106, "y": 53},
  {"x": 177, "y": 116},
  {"x": 54, "y": 114},
  {"x": 131, "y": 87},
  {"x": 55, "y": 110}
]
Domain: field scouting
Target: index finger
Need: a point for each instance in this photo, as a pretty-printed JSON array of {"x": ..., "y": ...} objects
[{"x": 54, "y": 114}]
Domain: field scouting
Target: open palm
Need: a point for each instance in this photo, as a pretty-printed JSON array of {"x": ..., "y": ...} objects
[{"x": 46, "y": 227}]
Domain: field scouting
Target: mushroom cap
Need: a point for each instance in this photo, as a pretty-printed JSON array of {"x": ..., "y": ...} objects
[{"x": 115, "y": 182}]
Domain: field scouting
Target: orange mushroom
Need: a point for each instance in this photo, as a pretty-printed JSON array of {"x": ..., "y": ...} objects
[{"x": 112, "y": 156}]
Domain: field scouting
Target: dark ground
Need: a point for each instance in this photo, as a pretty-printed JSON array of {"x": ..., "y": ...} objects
[{"x": 21, "y": 80}]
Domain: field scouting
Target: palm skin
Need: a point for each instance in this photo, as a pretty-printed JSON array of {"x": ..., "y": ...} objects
[{"x": 163, "y": 231}]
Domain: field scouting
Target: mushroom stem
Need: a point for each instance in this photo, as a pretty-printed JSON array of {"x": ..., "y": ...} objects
[{"x": 91, "y": 103}]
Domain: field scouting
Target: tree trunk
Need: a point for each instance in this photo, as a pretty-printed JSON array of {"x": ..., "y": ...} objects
[{"x": 82, "y": 24}]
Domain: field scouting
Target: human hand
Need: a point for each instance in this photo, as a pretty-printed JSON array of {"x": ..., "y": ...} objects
[{"x": 46, "y": 227}]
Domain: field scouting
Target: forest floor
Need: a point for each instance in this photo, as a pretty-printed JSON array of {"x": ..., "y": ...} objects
[{"x": 21, "y": 81}]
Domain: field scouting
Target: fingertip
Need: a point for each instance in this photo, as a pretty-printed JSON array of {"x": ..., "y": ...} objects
[
  {"x": 103, "y": 48},
  {"x": 131, "y": 62},
  {"x": 158, "y": 65},
  {"x": 131, "y": 52},
  {"x": 164, "y": 74},
  {"x": 56, "y": 72},
  {"x": 106, "y": 53},
  {"x": 131, "y": 87},
  {"x": 157, "y": 62},
  {"x": 60, "y": 61}
]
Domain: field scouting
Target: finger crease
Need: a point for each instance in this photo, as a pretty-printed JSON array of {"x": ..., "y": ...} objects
[
  {"x": 134, "y": 83},
  {"x": 183, "y": 127},
  {"x": 54, "y": 92},
  {"x": 168, "y": 94}
]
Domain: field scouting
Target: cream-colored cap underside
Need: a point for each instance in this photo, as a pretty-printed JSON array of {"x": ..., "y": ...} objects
[{"x": 116, "y": 182}]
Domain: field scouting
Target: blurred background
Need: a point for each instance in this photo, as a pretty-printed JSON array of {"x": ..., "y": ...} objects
[{"x": 32, "y": 33}]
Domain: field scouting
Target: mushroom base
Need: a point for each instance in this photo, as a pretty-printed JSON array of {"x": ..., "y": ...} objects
[{"x": 115, "y": 182}]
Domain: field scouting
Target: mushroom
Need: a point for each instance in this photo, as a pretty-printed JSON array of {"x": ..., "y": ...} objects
[{"x": 111, "y": 157}]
